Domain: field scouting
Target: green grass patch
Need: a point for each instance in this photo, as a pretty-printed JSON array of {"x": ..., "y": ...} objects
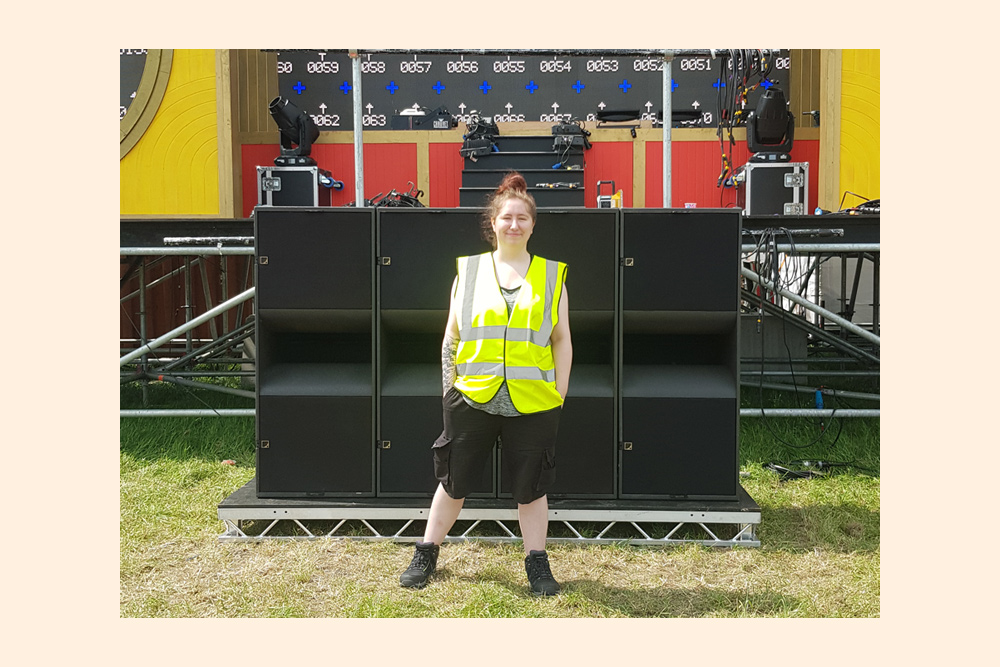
[{"x": 819, "y": 555}]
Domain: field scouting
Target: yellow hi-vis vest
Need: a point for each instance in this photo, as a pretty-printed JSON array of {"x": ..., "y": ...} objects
[{"x": 494, "y": 347}]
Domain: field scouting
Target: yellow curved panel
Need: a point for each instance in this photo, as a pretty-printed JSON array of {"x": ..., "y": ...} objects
[
  {"x": 860, "y": 155},
  {"x": 173, "y": 169}
]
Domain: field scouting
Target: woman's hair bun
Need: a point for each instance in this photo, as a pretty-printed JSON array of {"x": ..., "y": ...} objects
[{"x": 513, "y": 181}]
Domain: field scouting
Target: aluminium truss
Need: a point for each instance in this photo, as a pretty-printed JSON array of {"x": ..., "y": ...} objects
[{"x": 711, "y": 523}]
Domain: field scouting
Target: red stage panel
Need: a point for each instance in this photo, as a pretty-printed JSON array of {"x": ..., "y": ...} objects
[
  {"x": 445, "y": 175},
  {"x": 609, "y": 161},
  {"x": 695, "y": 169},
  {"x": 387, "y": 166}
]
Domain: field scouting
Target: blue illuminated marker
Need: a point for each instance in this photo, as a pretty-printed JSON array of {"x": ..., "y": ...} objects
[
  {"x": 392, "y": 87},
  {"x": 486, "y": 88},
  {"x": 298, "y": 87},
  {"x": 345, "y": 88},
  {"x": 578, "y": 87},
  {"x": 673, "y": 85},
  {"x": 531, "y": 87},
  {"x": 719, "y": 83},
  {"x": 438, "y": 87},
  {"x": 625, "y": 85},
  {"x": 767, "y": 84}
]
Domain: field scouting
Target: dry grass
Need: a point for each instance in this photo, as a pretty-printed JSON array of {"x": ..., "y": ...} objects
[
  {"x": 820, "y": 559},
  {"x": 820, "y": 553},
  {"x": 341, "y": 578}
]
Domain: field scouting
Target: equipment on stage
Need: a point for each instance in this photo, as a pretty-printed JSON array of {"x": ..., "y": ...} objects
[
  {"x": 295, "y": 186},
  {"x": 419, "y": 118},
  {"x": 613, "y": 200},
  {"x": 481, "y": 137},
  {"x": 297, "y": 129},
  {"x": 570, "y": 134},
  {"x": 778, "y": 188},
  {"x": 295, "y": 180},
  {"x": 770, "y": 128}
]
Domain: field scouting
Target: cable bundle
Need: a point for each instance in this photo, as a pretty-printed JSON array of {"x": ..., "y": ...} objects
[
  {"x": 769, "y": 264},
  {"x": 743, "y": 70}
]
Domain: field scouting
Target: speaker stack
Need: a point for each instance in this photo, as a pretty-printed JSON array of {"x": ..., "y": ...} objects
[
  {"x": 315, "y": 277},
  {"x": 417, "y": 251},
  {"x": 679, "y": 354},
  {"x": 351, "y": 309}
]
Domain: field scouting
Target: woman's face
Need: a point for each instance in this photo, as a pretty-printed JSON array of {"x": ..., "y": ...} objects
[{"x": 513, "y": 224}]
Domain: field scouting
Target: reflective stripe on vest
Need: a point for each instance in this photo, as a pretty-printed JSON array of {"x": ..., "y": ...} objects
[{"x": 494, "y": 347}]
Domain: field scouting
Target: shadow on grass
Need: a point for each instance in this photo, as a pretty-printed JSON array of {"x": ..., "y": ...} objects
[
  {"x": 598, "y": 599},
  {"x": 682, "y": 603}
]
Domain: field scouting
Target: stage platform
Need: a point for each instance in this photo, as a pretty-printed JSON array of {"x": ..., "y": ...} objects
[{"x": 652, "y": 522}]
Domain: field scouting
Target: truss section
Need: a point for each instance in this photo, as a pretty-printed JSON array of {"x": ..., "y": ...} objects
[{"x": 729, "y": 524}]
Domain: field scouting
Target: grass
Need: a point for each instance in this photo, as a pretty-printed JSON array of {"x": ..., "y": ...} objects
[{"x": 819, "y": 555}]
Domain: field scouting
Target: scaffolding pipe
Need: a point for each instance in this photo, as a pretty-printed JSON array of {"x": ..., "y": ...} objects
[
  {"x": 207, "y": 240},
  {"x": 667, "y": 126},
  {"x": 804, "y": 412},
  {"x": 231, "y": 339},
  {"x": 809, "y": 328},
  {"x": 188, "y": 302},
  {"x": 221, "y": 412},
  {"x": 809, "y": 305},
  {"x": 818, "y": 247},
  {"x": 807, "y": 372},
  {"x": 811, "y": 390},
  {"x": 201, "y": 385},
  {"x": 201, "y": 319},
  {"x": 207, "y": 290},
  {"x": 142, "y": 323},
  {"x": 359, "y": 152},
  {"x": 187, "y": 250},
  {"x": 154, "y": 283},
  {"x": 129, "y": 376}
]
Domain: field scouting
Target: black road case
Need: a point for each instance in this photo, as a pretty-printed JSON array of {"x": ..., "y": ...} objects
[
  {"x": 291, "y": 186},
  {"x": 774, "y": 189}
]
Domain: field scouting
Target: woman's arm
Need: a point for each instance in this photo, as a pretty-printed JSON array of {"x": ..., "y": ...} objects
[
  {"x": 449, "y": 348},
  {"x": 562, "y": 346}
]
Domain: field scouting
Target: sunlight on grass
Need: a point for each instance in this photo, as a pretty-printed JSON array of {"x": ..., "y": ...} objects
[{"x": 820, "y": 553}]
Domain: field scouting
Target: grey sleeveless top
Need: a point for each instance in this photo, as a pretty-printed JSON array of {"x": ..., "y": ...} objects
[{"x": 500, "y": 404}]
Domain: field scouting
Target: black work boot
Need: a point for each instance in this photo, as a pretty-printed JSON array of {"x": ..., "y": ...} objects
[
  {"x": 536, "y": 564},
  {"x": 421, "y": 567}
]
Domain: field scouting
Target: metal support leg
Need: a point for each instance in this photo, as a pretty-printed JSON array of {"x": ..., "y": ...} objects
[
  {"x": 875, "y": 293},
  {"x": 187, "y": 303},
  {"x": 224, "y": 280},
  {"x": 208, "y": 297},
  {"x": 852, "y": 304},
  {"x": 144, "y": 361}
]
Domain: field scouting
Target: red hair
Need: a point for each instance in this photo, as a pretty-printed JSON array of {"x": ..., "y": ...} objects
[{"x": 513, "y": 186}]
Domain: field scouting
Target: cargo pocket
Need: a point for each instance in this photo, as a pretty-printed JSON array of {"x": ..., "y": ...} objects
[
  {"x": 442, "y": 460},
  {"x": 547, "y": 475}
]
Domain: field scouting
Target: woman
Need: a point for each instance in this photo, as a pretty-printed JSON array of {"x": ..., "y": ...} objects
[{"x": 506, "y": 362}]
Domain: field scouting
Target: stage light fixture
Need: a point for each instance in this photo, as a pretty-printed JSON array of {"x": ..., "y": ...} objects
[
  {"x": 770, "y": 128},
  {"x": 298, "y": 132}
]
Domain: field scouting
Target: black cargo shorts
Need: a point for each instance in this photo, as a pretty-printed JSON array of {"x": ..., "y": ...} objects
[{"x": 528, "y": 449}]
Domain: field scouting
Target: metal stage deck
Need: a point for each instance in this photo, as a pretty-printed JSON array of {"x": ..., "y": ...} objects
[{"x": 248, "y": 518}]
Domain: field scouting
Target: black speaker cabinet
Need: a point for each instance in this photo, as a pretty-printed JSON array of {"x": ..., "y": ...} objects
[
  {"x": 417, "y": 250},
  {"x": 315, "y": 364},
  {"x": 679, "y": 354},
  {"x": 314, "y": 258},
  {"x": 587, "y": 241}
]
